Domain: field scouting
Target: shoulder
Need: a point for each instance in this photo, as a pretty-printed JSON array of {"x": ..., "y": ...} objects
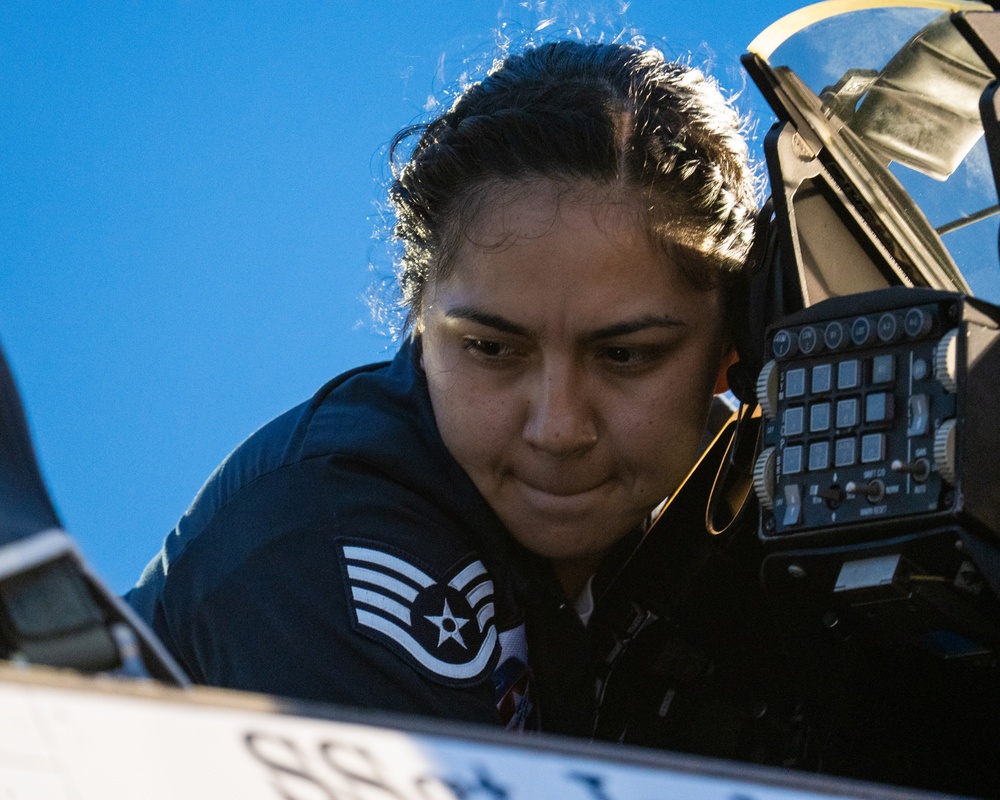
[
  {"x": 318, "y": 572},
  {"x": 276, "y": 461},
  {"x": 336, "y": 599}
]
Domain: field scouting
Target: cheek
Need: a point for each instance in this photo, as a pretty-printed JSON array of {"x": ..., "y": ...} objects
[
  {"x": 663, "y": 433},
  {"x": 666, "y": 438},
  {"x": 475, "y": 433},
  {"x": 473, "y": 419},
  {"x": 684, "y": 393}
]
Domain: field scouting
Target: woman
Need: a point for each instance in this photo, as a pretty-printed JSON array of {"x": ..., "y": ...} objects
[{"x": 417, "y": 536}]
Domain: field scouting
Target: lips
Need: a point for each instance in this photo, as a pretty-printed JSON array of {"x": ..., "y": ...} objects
[{"x": 558, "y": 487}]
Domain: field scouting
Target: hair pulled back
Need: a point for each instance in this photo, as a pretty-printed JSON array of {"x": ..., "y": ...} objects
[{"x": 612, "y": 114}]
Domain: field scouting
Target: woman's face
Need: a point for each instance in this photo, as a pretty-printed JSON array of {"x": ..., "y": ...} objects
[{"x": 571, "y": 366}]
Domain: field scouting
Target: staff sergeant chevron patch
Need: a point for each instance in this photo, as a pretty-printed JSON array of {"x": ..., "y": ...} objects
[{"x": 443, "y": 627}]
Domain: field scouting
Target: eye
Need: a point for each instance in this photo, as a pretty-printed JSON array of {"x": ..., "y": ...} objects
[
  {"x": 621, "y": 358},
  {"x": 621, "y": 355},
  {"x": 488, "y": 349}
]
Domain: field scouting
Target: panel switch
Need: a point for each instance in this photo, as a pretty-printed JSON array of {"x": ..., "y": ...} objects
[
  {"x": 793, "y": 505},
  {"x": 919, "y": 415}
]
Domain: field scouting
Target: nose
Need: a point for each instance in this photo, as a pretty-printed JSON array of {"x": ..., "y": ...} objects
[{"x": 560, "y": 421}]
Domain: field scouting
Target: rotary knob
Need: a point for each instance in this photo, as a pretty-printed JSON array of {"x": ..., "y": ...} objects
[
  {"x": 763, "y": 478},
  {"x": 944, "y": 450},
  {"x": 946, "y": 361},
  {"x": 767, "y": 389}
]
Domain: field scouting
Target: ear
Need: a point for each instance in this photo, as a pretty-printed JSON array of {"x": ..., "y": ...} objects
[{"x": 729, "y": 358}]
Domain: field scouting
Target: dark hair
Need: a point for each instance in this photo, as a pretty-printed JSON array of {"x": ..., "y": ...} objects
[{"x": 613, "y": 114}]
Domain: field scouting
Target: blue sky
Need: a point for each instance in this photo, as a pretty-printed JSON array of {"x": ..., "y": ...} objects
[{"x": 190, "y": 202}]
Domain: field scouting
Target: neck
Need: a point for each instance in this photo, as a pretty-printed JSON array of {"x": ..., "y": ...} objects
[{"x": 574, "y": 573}]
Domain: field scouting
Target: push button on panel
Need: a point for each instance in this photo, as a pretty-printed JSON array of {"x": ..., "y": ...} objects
[
  {"x": 795, "y": 383},
  {"x": 917, "y": 322},
  {"x": 819, "y": 456},
  {"x": 861, "y": 331},
  {"x": 794, "y": 421},
  {"x": 791, "y": 460},
  {"x": 845, "y": 452},
  {"x": 872, "y": 448},
  {"x": 819, "y": 417},
  {"x": 883, "y": 368},
  {"x": 849, "y": 374},
  {"x": 808, "y": 339},
  {"x": 887, "y": 327},
  {"x": 783, "y": 344},
  {"x": 833, "y": 336},
  {"x": 878, "y": 407},
  {"x": 847, "y": 413},
  {"x": 821, "y": 378}
]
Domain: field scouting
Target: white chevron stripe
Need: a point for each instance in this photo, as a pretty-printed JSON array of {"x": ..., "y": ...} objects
[
  {"x": 485, "y": 615},
  {"x": 480, "y": 593},
  {"x": 397, "y": 587},
  {"x": 469, "y": 669},
  {"x": 467, "y": 575},
  {"x": 368, "y": 556},
  {"x": 380, "y": 601}
]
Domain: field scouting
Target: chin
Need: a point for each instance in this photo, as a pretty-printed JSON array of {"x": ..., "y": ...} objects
[{"x": 565, "y": 542}]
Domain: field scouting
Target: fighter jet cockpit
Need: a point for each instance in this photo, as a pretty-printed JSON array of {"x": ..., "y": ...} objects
[{"x": 876, "y": 391}]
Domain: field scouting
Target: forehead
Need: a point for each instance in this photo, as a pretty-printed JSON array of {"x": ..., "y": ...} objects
[
  {"x": 505, "y": 213},
  {"x": 581, "y": 248}
]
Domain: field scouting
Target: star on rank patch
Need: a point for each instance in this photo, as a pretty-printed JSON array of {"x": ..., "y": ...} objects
[{"x": 443, "y": 626}]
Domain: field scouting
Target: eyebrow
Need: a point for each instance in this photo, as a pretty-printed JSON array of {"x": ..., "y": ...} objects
[
  {"x": 643, "y": 323},
  {"x": 623, "y": 328},
  {"x": 485, "y": 318}
]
